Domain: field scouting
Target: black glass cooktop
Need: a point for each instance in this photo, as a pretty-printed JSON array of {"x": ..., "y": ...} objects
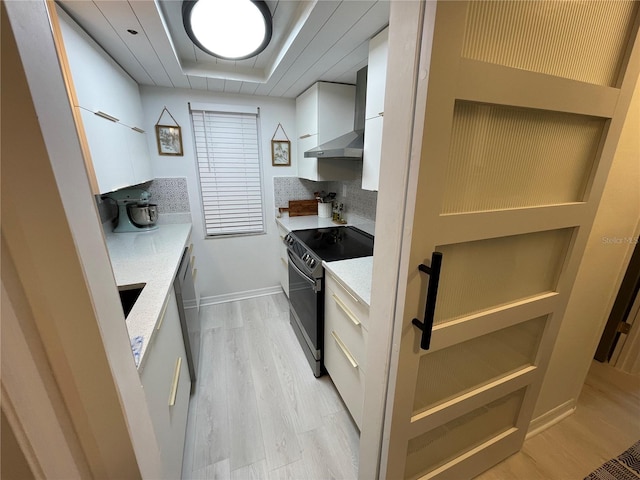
[{"x": 337, "y": 243}]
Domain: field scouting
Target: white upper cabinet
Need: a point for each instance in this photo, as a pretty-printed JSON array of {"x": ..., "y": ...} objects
[
  {"x": 326, "y": 110},
  {"x": 376, "y": 81},
  {"x": 372, "y": 153},
  {"x": 100, "y": 84},
  {"x": 109, "y": 153},
  {"x": 323, "y": 112},
  {"x": 377, "y": 74},
  {"x": 105, "y": 97}
]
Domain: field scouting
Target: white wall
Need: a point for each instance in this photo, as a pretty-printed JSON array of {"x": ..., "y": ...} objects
[
  {"x": 608, "y": 251},
  {"x": 227, "y": 267}
]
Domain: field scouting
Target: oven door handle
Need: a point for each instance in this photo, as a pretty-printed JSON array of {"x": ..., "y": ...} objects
[{"x": 310, "y": 280}]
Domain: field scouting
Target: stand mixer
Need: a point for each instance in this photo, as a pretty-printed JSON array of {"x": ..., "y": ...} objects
[{"x": 135, "y": 213}]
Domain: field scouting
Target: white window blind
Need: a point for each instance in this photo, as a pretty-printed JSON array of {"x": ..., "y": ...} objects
[{"x": 228, "y": 154}]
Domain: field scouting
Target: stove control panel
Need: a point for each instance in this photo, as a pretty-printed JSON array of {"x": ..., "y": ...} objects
[
  {"x": 309, "y": 260},
  {"x": 288, "y": 239}
]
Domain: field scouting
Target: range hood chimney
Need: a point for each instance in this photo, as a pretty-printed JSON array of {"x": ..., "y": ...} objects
[{"x": 349, "y": 145}]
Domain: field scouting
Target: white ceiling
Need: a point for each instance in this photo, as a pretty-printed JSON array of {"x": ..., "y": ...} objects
[{"x": 312, "y": 40}]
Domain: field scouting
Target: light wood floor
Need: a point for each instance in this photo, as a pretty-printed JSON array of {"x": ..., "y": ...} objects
[
  {"x": 605, "y": 423},
  {"x": 257, "y": 411}
]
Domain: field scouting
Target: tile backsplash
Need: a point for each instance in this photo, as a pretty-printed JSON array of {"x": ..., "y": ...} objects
[
  {"x": 294, "y": 188},
  {"x": 170, "y": 194},
  {"x": 356, "y": 200}
]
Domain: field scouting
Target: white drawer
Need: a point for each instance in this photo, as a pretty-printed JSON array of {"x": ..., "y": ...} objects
[
  {"x": 340, "y": 318},
  {"x": 351, "y": 304},
  {"x": 349, "y": 380}
]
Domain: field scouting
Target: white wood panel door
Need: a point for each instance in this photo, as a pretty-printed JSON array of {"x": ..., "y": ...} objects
[{"x": 519, "y": 107}]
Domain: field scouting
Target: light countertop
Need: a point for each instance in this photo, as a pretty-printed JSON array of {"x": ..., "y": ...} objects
[
  {"x": 150, "y": 257},
  {"x": 355, "y": 274},
  {"x": 313, "y": 221}
]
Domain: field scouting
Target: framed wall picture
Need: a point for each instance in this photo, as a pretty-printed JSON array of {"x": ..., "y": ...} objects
[
  {"x": 280, "y": 153},
  {"x": 169, "y": 139}
]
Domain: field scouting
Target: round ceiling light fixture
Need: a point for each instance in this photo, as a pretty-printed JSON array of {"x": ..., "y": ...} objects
[{"x": 229, "y": 29}]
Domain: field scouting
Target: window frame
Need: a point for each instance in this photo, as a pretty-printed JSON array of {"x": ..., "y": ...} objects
[{"x": 238, "y": 110}]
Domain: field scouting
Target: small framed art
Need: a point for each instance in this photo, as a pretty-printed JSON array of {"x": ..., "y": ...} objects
[
  {"x": 169, "y": 139},
  {"x": 280, "y": 153}
]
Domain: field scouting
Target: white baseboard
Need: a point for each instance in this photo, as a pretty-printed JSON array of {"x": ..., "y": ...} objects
[
  {"x": 232, "y": 297},
  {"x": 546, "y": 420}
]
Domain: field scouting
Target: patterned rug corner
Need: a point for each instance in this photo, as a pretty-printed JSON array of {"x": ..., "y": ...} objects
[{"x": 625, "y": 467}]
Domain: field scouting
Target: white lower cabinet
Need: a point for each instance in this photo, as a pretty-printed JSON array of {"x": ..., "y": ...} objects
[
  {"x": 283, "y": 260},
  {"x": 345, "y": 342},
  {"x": 166, "y": 383}
]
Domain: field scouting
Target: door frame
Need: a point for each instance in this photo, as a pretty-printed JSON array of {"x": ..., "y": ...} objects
[{"x": 406, "y": 42}]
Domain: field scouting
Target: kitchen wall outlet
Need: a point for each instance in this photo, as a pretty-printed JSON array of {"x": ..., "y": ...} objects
[{"x": 344, "y": 191}]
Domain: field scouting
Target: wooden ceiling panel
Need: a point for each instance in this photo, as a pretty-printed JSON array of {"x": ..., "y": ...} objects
[
  {"x": 249, "y": 88},
  {"x": 198, "y": 83},
  {"x": 347, "y": 51},
  {"x": 153, "y": 25},
  {"x": 232, "y": 86},
  {"x": 328, "y": 39},
  {"x": 349, "y": 75},
  {"x": 321, "y": 40},
  {"x": 319, "y": 16},
  {"x": 215, "y": 84},
  {"x": 172, "y": 15},
  {"x": 91, "y": 19},
  {"x": 122, "y": 18}
]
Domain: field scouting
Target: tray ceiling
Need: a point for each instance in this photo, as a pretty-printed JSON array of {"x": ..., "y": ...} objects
[{"x": 318, "y": 40}]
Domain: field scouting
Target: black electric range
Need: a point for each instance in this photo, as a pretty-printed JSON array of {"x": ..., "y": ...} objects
[{"x": 307, "y": 249}]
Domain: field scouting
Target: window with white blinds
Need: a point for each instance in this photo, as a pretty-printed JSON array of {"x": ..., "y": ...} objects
[{"x": 229, "y": 167}]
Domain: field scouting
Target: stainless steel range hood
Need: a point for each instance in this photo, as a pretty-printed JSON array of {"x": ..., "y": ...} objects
[{"x": 349, "y": 145}]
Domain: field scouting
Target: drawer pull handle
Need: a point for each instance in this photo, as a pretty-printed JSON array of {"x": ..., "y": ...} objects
[
  {"x": 190, "y": 248},
  {"x": 344, "y": 349},
  {"x": 345, "y": 289},
  {"x": 194, "y": 273},
  {"x": 306, "y": 135},
  {"x": 106, "y": 116},
  {"x": 174, "y": 384},
  {"x": 346, "y": 310},
  {"x": 164, "y": 310}
]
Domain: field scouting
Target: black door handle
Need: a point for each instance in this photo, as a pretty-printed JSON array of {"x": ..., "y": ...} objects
[{"x": 432, "y": 292}]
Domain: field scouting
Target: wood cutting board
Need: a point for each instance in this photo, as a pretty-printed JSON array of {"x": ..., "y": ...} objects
[{"x": 299, "y": 208}]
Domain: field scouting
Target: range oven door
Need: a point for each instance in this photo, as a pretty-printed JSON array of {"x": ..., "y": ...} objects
[{"x": 307, "y": 307}]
